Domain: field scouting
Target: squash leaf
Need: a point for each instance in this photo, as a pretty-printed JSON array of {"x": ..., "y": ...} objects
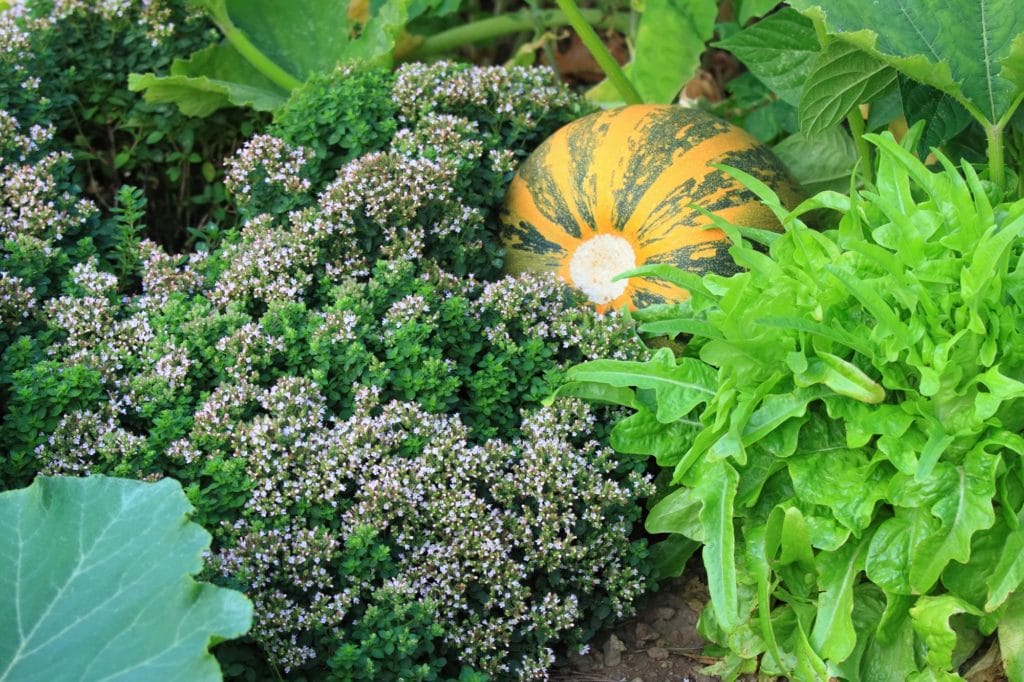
[
  {"x": 841, "y": 78},
  {"x": 820, "y": 162},
  {"x": 95, "y": 578},
  {"x": 969, "y": 50},
  {"x": 269, "y": 48},
  {"x": 779, "y": 50},
  {"x": 670, "y": 39},
  {"x": 669, "y": 42},
  {"x": 211, "y": 79}
]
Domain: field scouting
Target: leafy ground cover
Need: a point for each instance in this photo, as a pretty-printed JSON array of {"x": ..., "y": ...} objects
[{"x": 263, "y": 262}]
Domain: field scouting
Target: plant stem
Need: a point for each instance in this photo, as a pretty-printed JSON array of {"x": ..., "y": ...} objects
[
  {"x": 501, "y": 25},
  {"x": 994, "y": 138},
  {"x": 600, "y": 52},
  {"x": 252, "y": 54},
  {"x": 996, "y": 161},
  {"x": 867, "y": 165}
]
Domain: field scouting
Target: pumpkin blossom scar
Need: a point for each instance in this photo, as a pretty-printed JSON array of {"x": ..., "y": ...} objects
[{"x": 596, "y": 262}]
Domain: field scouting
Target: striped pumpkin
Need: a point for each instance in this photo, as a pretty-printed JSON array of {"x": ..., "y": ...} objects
[{"x": 616, "y": 189}]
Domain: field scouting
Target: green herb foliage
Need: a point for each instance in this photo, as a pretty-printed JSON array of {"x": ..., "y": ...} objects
[
  {"x": 66, "y": 64},
  {"x": 348, "y": 394},
  {"x": 846, "y": 429}
]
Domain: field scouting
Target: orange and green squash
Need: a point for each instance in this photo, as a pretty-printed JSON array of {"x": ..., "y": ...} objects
[{"x": 617, "y": 189}]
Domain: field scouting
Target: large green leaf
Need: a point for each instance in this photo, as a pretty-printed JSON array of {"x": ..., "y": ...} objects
[
  {"x": 303, "y": 37},
  {"x": 833, "y": 636},
  {"x": 964, "y": 506},
  {"x": 820, "y": 162},
  {"x": 961, "y": 47},
  {"x": 841, "y": 78},
  {"x": 95, "y": 578},
  {"x": 270, "y": 47},
  {"x": 717, "y": 493},
  {"x": 670, "y": 39},
  {"x": 779, "y": 50},
  {"x": 944, "y": 117},
  {"x": 642, "y": 434},
  {"x": 211, "y": 79}
]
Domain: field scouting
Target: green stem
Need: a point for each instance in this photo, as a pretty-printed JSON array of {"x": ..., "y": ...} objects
[
  {"x": 994, "y": 137},
  {"x": 600, "y": 52},
  {"x": 857, "y": 129},
  {"x": 502, "y": 25},
  {"x": 996, "y": 161},
  {"x": 252, "y": 54}
]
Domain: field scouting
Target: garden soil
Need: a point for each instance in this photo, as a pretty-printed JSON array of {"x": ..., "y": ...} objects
[{"x": 658, "y": 644}]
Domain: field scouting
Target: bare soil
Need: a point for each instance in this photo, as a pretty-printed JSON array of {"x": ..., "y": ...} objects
[{"x": 658, "y": 644}]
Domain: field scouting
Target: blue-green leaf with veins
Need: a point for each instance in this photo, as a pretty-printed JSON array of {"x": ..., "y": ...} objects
[{"x": 96, "y": 583}]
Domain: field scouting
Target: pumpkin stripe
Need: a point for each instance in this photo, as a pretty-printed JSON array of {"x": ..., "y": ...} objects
[
  {"x": 644, "y": 172},
  {"x": 622, "y": 187},
  {"x": 582, "y": 144},
  {"x": 549, "y": 194}
]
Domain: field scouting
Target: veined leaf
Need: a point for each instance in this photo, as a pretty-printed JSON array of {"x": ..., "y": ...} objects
[
  {"x": 820, "y": 162},
  {"x": 211, "y": 79},
  {"x": 943, "y": 115},
  {"x": 842, "y": 78},
  {"x": 270, "y": 48},
  {"x": 779, "y": 50},
  {"x": 679, "y": 386},
  {"x": 961, "y": 48},
  {"x": 670, "y": 39},
  {"x": 95, "y": 578}
]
